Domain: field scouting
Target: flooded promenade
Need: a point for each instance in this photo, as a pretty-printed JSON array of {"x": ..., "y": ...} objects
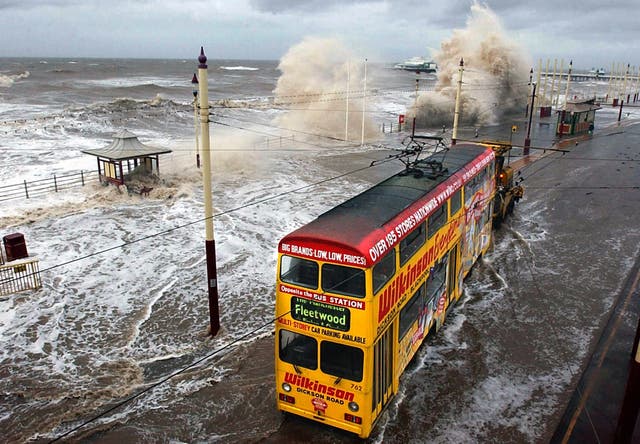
[{"x": 511, "y": 355}]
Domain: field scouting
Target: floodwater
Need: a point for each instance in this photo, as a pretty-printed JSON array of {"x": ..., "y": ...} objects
[{"x": 502, "y": 368}]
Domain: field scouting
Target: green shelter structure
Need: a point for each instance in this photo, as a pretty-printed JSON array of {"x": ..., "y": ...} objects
[
  {"x": 577, "y": 117},
  {"x": 125, "y": 155}
]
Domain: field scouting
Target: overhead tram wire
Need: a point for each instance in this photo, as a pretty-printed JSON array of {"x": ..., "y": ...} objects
[
  {"x": 222, "y": 213},
  {"x": 273, "y": 101},
  {"x": 225, "y": 347},
  {"x": 170, "y": 376},
  {"x": 337, "y": 139},
  {"x": 229, "y": 345}
]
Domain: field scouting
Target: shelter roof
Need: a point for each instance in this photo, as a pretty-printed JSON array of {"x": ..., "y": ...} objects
[
  {"x": 126, "y": 145},
  {"x": 581, "y": 106}
]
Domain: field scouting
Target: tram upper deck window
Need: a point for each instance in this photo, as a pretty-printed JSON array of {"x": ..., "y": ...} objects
[
  {"x": 410, "y": 244},
  {"x": 341, "y": 360},
  {"x": 456, "y": 201},
  {"x": 298, "y": 349},
  {"x": 437, "y": 219},
  {"x": 295, "y": 270},
  {"x": 343, "y": 280},
  {"x": 474, "y": 185},
  {"x": 384, "y": 270}
]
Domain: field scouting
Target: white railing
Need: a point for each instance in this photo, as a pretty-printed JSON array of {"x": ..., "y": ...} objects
[
  {"x": 19, "y": 275},
  {"x": 55, "y": 184}
]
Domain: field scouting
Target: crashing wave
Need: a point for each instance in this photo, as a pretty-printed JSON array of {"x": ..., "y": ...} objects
[
  {"x": 239, "y": 68},
  {"x": 6, "y": 81}
]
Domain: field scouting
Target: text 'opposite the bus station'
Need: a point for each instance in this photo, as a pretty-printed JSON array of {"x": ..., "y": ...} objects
[{"x": 333, "y": 300}]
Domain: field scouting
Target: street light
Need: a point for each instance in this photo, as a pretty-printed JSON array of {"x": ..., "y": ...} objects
[
  {"x": 210, "y": 245},
  {"x": 194, "y": 82},
  {"x": 527, "y": 140}
]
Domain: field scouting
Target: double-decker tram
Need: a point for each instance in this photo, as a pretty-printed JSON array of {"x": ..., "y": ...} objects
[{"x": 360, "y": 287}]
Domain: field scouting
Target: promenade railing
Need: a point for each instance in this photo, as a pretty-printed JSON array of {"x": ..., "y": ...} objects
[{"x": 54, "y": 184}]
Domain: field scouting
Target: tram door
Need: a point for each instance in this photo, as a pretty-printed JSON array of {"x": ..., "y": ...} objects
[
  {"x": 382, "y": 372},
  {"x": 452, "y": 273}
]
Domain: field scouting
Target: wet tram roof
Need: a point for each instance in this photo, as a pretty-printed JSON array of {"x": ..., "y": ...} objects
[{"x": 355, "y": 219}]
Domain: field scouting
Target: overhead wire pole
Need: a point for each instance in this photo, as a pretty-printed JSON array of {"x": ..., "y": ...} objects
[
  {"x": 210, "y": 247},
  {"x": 527, "y": 140},
  {"x": 364, "y": 101},
  {"x": 559, "y": 82},
  {"x": 552, "y": 93},
  {"x": 346, "y": 114},
  {"x": 624, "y": 85},
  {"x": 456, "y": 111},
  {"x": 529, "y": 104},
  {"x": 613, "y": 67},
  {"x": 538, "y": 80},
  {"x": 566, "y": 93},
  {"x": 637, "y": 82},
  {"x": 543, "y": 100},
  {"x": 194, "y": 82},
  {"x": 618, "y": 81},
  {"x": 415, "y": 109}
]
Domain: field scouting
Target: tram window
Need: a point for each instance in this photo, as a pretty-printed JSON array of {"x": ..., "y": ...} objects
[
  {"x": 474, "y": 185},
  {"x": 436, "y": 278},
  {"x": 410, "y": 244},
  {"x": 343, "y": 280},
  {"x": 341, "y": 360},
  {"x": 437, "y": 219},
  {"x": 486, "y": 216},
  {"x": 490, "y": 170},
  {"x": 295, "y": 270},
  {"x": 410, "y": 312},
  {"x": 456, "y": 201},
  {"x": 297, "y": 349},
  {"x": 384, "y": 270}
]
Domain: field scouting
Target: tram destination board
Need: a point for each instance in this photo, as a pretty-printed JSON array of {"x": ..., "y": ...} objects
[{"x": 320, "y": 314}]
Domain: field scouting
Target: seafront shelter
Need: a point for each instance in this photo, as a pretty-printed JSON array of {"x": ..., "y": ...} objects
[
  {"x": 125, "y": 155},
  {"x": 577, "y": 117}
]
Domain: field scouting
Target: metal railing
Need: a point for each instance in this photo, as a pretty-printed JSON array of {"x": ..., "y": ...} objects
[
  {"x": 57, "y": 183},
  {"x": 20, "y": 275}
]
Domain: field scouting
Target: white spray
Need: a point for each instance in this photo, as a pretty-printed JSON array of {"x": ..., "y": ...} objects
[
  {"x": 495, "y": 76},
  {"x": 313, "y": 89}
]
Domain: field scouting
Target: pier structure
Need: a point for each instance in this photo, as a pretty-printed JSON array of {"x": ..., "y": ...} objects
[{"x": 623, "y": 85}]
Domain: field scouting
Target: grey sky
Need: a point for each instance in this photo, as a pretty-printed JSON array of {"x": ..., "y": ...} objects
[{"x": 591, "y": 32}]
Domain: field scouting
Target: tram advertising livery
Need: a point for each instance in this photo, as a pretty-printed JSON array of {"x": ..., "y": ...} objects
[{"x": 360, "y": 287}]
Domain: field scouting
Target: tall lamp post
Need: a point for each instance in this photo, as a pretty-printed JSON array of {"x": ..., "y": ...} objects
[
  {"x": 527, "y": 140},
  {"x": 194, "y": 82},
  {"x": 456, "y": 111},
  {"x": 415, "y": 108},
  {"x": 210, "y": 246}
]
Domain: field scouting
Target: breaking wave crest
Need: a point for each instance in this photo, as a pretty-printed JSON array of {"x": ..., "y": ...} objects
[
  {"x": 7, "y": 80},
  {"x": 494, "y": 78},
  {"x": 316, "y": 75},
  {"x": 239, "y": 68},
  {"x": 123, "y": 105}
]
